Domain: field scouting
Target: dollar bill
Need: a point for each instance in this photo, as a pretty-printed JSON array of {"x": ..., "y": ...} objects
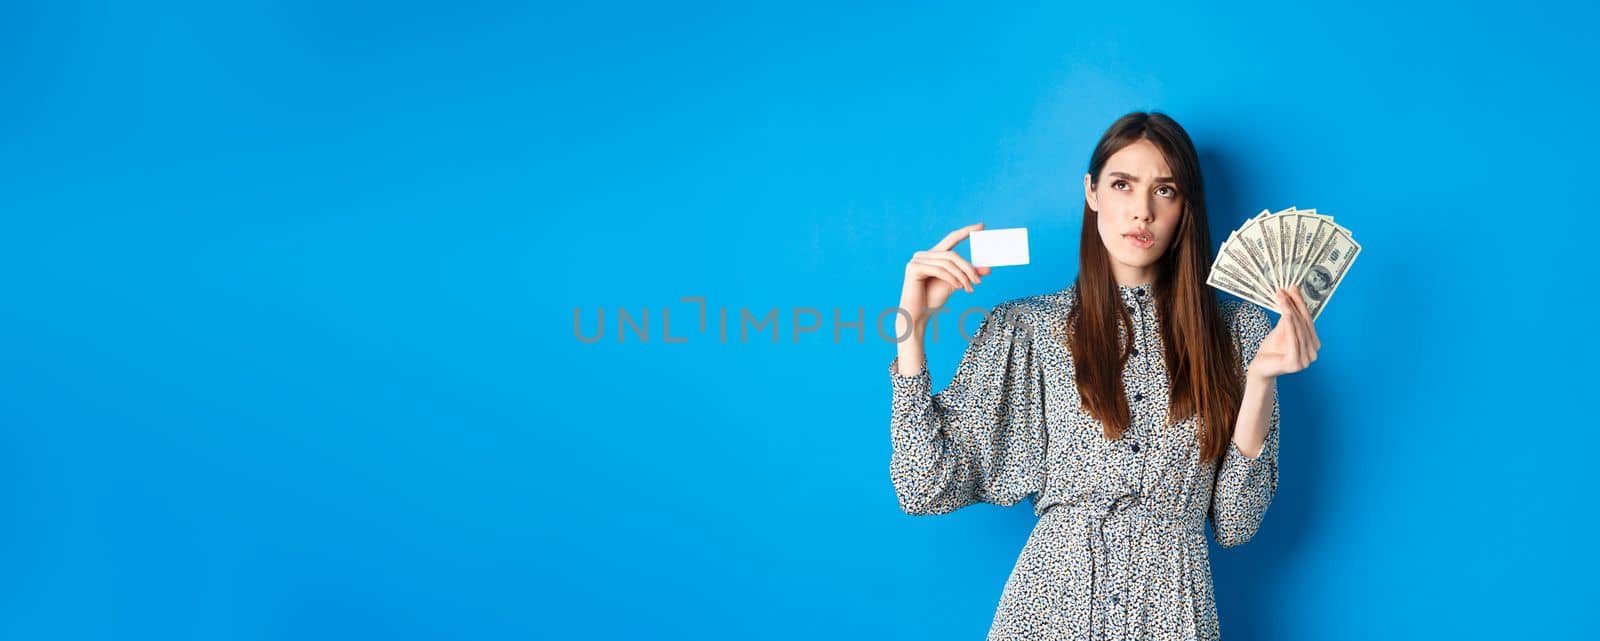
[
  {"x": 1326, "y": 270},
  {"x": 1291, "y": 249},
  {"x": 1249, "y": 270}
]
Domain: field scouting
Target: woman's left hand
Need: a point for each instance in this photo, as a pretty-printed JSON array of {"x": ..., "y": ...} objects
[{"x": 1292, "y": 345}]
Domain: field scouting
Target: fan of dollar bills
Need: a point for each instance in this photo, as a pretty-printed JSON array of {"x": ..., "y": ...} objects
[{"x": 1289, "y": 248}]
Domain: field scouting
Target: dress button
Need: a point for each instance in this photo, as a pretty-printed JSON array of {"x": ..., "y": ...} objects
[
  {"x": 1138, "y": 396},
  {"x": 1134, "y": 447},
  {"x": 1135, "y": 351},
  {"x": 1114, "y": 599},
  {"x": 1131, "y": 310}
]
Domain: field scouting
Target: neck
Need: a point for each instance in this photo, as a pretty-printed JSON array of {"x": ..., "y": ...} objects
[{"x": 1133, "y": 277}]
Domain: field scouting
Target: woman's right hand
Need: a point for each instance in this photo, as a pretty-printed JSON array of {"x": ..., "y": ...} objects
[{"x": 933, "y": 274}]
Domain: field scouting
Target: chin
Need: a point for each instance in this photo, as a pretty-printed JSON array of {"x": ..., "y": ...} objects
[
  {"x": 1136, "y": 265},
  {"x": 1136, "y": 262}
]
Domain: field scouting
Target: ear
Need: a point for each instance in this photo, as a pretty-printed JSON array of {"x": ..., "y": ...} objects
[{"x": 1089, "y": 196}]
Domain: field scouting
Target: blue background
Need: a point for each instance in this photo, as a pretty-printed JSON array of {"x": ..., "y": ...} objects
[{"x": 289, "y": 292}]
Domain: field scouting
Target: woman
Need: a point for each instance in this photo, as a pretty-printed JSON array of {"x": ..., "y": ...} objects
[{"x": 1132, "y": 406}]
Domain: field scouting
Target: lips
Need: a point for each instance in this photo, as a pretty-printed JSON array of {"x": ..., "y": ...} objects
[{"x": 1142, "y": 239}]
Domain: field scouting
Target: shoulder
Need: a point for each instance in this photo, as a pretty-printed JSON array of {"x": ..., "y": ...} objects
[
  {"x": 1247, "y": 321},
  {"x": 1243, "y": 314},
  {"x": 1028, "y": 317},
  {"x": 1037, "y": 310}
]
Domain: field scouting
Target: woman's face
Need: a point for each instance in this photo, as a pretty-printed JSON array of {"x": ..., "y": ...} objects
[{"x": 1138, "y": 205}]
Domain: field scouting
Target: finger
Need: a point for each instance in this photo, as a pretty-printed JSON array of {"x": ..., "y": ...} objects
[
  {"x": 936, "y": 273},
  {"x": 940, "y": 272},
  {"x": 1293, "y": 324},
  {"x": 944, "y": 261},
  {"x": 1306, "y": 314},
  {"x": 1303, "y": 333},
  {"x": 984, "y": 271},
  {"x": 1297, "y": 352},
  {"x": 1308, "y": 330},
  {"x": 1305, "y": 354},
  {"x": 1296, "y": 321},
  {"x": 972, "y": 272},
  {"x": 954, "y": 237},
  {"x": 1283, "y": 302},
  {"x": 952, "y": 272}
]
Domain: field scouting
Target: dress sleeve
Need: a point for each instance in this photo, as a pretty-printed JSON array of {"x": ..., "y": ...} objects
[
  {"x": 982, "y": 438},
  {"x": 1245, "y": 486}
]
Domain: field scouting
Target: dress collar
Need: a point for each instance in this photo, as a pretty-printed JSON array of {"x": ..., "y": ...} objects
[{"x": 1141, "y": 294}]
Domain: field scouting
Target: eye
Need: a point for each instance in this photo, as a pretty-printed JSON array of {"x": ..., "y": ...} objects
[
  {"x": 1166, "y": 191},
  {"x": 1118, "y": 184}
]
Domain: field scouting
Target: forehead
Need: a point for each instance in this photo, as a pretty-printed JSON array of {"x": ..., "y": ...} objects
[{"x": 1141, "y": 158}]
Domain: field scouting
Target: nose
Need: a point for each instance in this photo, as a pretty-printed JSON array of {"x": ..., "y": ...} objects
[{"x": 1141, "y": 211}]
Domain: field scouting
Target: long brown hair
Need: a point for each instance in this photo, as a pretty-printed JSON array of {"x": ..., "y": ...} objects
[{"x": 1202, "y": 362}]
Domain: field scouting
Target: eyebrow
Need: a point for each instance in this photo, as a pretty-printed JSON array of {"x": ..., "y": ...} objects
[{"x": 1159, "y": 179}]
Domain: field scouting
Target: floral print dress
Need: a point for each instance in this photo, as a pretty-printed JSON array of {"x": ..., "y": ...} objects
[{"x": 1119, "y": 551}]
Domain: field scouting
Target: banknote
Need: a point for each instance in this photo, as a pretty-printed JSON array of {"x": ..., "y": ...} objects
[{"x": 1291, "y": 249}]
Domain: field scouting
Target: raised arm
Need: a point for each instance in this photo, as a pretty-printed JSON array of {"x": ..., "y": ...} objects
[
  {"x": 1246, "y": 482},
  {"x": 983, "y": 437}
]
